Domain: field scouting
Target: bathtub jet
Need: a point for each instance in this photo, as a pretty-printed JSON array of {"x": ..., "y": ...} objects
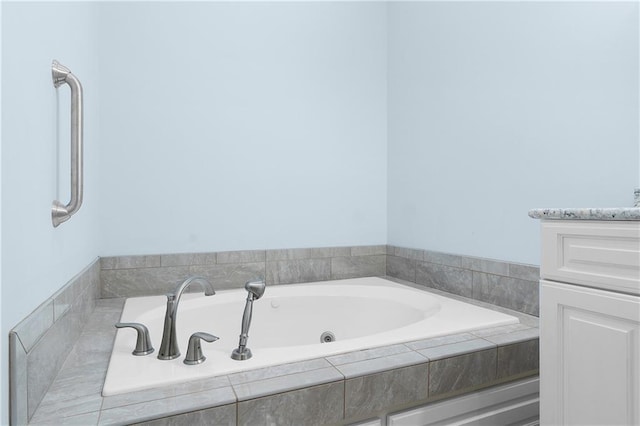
[{"x": 255, "y": 290}]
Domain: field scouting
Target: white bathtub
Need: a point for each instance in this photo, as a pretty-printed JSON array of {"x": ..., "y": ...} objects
[{"x": 286, "y": 326}]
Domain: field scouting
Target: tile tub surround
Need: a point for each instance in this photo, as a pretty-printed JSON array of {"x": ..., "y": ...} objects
[
  {"x": 39, "y": 345},
  {"x": 510, "y": 285},
  {"x": 339, "y": 389},
  {"x": 130, "y": 276}
]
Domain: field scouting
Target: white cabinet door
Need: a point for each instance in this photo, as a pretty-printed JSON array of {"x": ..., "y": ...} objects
[{"x": 590, "y": 356}]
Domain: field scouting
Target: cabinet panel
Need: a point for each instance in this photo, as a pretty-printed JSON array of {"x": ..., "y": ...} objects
[
  {"x": 590, "y": 356},
  {"x": 601, "y": 254},
  {"x": 513, "y": 403}
]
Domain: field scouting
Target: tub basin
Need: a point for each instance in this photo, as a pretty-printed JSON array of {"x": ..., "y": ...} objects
[{"x": 287, "y": 325}]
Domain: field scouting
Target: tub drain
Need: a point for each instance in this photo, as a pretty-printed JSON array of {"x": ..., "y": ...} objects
[{"x": 327, "y": 337}]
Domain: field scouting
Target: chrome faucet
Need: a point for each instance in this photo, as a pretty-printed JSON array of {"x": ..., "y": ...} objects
[{"x": 169, "y": 347}]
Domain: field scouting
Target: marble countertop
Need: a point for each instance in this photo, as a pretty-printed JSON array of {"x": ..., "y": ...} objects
[{"x": 621, "y": 213}]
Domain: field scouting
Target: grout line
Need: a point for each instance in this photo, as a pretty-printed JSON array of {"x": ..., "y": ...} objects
[
  {"x": 331, "y": 266},
  {"x": 415, "y": 271},
  {"x": 429, "y": 379},
  {"x": 344, "y": 398},
  {"x": 20, "y": 340},
  {"x": 496, "y": 371},
  {"x": 100, "y": 411}
]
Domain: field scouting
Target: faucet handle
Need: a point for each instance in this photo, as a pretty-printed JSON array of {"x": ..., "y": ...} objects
[
  {"x": 143, "y": 343},
  {"x": 194, "y": 351}
]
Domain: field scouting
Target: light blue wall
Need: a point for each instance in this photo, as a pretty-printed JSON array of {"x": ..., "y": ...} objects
[
  {"x": 36, "y": 258},
  {"x": 496, "y": 108},
  {"x": 242, "y": 125}
]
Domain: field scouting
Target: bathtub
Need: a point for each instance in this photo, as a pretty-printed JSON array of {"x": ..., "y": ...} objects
[{"x": 287, "y": 325}]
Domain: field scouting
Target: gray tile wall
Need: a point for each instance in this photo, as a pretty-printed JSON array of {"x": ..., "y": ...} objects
[
  {"x": 128, "y": 276},
  {"x": 39, "y": 344},
  {"x": 510, "y": 285}
]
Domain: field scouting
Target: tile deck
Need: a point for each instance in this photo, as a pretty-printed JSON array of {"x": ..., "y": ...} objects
[{"x": 438, "y": 359}]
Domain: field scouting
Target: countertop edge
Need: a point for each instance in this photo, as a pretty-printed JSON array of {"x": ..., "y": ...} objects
[{"x": 616, "y": 213}]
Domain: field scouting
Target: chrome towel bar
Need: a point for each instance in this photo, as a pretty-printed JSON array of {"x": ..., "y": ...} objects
[{"x": 59, "y": 212}]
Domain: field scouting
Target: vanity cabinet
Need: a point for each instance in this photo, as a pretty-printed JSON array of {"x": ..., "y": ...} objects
[{"x": 590, "y": 323}]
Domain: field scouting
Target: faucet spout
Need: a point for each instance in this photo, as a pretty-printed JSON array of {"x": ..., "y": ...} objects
[{"x": 169, "y": 348}]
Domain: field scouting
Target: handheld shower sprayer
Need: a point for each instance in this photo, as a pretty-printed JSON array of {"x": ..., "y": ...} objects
[{"x": 255, "y": 291}]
